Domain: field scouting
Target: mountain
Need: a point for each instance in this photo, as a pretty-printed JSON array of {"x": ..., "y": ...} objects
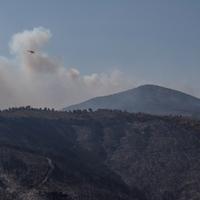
[
  {"x": 40, "y": 159},
  {"x": 150, "y": 99},
  {"x": 47, "y": 155}
]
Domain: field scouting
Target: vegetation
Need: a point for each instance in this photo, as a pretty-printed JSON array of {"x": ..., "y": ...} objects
[{"x": 103, "y": 154}]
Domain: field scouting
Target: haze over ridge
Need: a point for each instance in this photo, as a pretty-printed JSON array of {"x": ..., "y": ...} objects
[{"x": 41, "y": 80}]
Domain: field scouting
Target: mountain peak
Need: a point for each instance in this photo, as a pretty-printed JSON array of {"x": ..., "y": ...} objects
[
  {"x": 152, "y": 99},
  {"x": 150, "y": 86},
  {"x": 155, "y": 87}
]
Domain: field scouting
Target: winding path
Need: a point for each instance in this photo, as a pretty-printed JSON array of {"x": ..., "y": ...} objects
[{"x": 51, "y": 168}]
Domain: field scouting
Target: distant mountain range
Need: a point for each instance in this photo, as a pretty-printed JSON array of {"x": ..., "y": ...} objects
[{"x": 150, "y": 99}]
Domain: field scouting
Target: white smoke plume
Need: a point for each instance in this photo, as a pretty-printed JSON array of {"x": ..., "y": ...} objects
[{"x": 39, "y": 80}]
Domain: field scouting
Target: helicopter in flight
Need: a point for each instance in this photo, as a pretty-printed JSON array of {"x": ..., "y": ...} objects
[{"x": 31, "y": 51}]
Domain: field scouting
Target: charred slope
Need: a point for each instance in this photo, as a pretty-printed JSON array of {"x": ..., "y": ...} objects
[
  {"x": 39, "y": 159},
  {"x": 25, "y": 174},
  {"x": 98, "y": 155}
]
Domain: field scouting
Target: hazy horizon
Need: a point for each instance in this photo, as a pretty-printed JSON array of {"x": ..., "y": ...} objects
[{"x": 88, "y": 48}]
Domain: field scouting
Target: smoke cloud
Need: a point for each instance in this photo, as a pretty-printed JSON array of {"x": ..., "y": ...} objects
[{"x": 37, "y": 79}]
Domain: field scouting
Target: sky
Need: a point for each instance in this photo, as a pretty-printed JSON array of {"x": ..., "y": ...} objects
[{"x": 87, "y": 48}]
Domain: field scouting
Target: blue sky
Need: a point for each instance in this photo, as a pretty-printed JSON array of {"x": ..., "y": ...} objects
[{"x": 152, "y": 41}]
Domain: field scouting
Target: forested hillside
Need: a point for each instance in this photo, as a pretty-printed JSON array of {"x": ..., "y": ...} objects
[{"x": 46, "y": 154}]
